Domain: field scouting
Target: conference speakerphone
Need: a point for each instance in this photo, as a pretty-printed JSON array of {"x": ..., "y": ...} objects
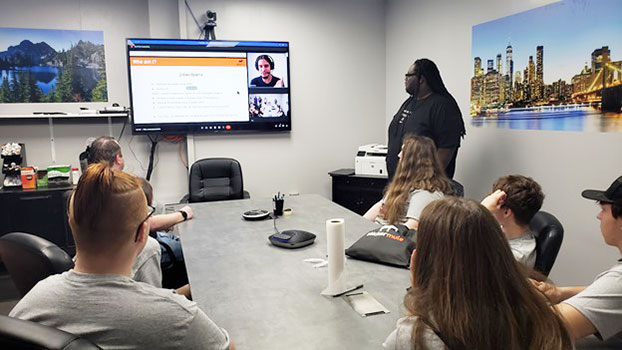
[
  {"x": 292, "y": 239},
  {"x": 202, "y": 86}
]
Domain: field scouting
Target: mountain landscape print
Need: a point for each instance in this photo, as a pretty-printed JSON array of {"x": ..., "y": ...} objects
[{"x": 49, "y": 65}]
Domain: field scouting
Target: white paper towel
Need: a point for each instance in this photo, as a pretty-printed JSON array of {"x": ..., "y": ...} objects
[{"x": 335, "y": 238}]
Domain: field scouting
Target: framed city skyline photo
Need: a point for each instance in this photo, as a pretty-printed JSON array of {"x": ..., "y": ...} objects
[
  {"x": 51, "y": 65},
  {"x": 556, "y": 67}
]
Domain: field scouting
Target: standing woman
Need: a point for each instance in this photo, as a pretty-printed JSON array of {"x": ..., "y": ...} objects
[
  {"x": 468, "y": 292},
  {"x": 429, "y": 111},
  {"x": 420, "y": 179}
]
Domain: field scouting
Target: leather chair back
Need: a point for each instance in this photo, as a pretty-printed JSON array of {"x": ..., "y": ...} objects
[
  {"x": 215, "y": 179},
  {"x": 549, "y": 234},
  {"x": 21, "y": 335},
  {"x": 30, "y": 258},
  {"x": 457, "y": 187}
]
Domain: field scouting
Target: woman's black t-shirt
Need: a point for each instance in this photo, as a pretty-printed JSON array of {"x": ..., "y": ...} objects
[{"x": 436, "y": 117}]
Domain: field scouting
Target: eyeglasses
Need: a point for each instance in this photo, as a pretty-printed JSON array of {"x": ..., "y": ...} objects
[
  {"x": 151, "y": 211},
  {"x": 408, "y": 75}
]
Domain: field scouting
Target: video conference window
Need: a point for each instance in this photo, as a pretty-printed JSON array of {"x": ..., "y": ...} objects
[
  {"x": 185, "y": 86},
  {"x": 267, "y": 70},
  {"x": 268, "y": 105}
]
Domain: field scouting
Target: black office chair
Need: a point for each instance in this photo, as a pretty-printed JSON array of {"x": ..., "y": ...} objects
[
  {"x": 457, "y": 188},
  {"x": 549, "y": 234},
  {"x": 216, "y": 179},
  {"x": 21, "y": 335},
  {"x": 30, "y": 258}
]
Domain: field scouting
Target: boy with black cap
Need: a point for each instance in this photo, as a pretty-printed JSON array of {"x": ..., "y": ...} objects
[{"x": 597, "y": 308}]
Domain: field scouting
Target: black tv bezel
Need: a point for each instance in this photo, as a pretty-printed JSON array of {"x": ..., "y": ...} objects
[{"x": 285, "y": 124}]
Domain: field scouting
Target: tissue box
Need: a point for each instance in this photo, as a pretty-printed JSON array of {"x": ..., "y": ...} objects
[{"x": 59, "y": 175}]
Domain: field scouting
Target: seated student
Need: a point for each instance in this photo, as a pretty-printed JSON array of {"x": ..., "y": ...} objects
[
  {"x": 514, "y": 202},
  {"x": 419, "y": 179},
  {"x": 467, "y": 290},
  {"x": 597, "y": 308},
  {"x": 147, "y": 265},
  {"x": 175, "y": 276},
  {"x": 97, "y": 299}
]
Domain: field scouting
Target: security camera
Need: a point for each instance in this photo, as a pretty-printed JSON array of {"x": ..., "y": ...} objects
[
  {"x": 211, "y": 15},
  {"x": 208, "y": 27}
]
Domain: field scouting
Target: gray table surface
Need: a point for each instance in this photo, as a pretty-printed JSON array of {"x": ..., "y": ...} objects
[{"x": 269, "y": 298}]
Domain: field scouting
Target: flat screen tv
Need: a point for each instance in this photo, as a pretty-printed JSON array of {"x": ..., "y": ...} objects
[{"x": 199, "y": 86}]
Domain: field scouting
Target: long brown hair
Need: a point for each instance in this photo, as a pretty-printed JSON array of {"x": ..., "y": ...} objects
[
  {"x": 418, "y": 169},
  {"x": 467, "y": 284}
]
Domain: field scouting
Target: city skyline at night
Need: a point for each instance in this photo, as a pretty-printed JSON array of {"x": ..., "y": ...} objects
[
  {"x": 569, "y": 36},
  {"x": 555, "y": 55}
]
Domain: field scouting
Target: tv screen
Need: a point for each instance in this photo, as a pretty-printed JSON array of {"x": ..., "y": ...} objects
[{"x": 199, "y": 86}]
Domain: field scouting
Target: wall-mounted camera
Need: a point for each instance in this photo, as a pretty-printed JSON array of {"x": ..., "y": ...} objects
[{"x": 208, "y": 27}]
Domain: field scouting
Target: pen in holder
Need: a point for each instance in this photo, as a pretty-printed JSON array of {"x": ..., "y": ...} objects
[{"x": 279, "y": 201}]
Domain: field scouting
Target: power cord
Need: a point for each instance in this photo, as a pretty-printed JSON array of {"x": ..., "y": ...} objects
[
  {"x": 276, "y": 230},
  {"x": 154, "y": 144}
]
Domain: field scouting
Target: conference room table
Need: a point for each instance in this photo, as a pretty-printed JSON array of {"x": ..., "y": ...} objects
[{"x": 268, "y": 297}]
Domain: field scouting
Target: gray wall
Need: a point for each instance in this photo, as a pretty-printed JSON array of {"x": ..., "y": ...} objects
[
  {"x": 335, "y": 108},
  {"x": 564, "y": 163}
]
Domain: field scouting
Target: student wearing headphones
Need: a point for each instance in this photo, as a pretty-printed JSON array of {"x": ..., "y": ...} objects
[
  {"x": 265, "y": 64},
  {"x": 98, "y": 299}
]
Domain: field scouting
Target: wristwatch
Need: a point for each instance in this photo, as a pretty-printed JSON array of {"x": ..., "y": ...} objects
[{"x": 184, "y": 214}]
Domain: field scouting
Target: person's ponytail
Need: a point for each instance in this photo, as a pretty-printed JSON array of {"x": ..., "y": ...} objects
[{"x": 91, "y": 193}]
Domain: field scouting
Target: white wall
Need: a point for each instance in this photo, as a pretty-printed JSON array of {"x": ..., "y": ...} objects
[
  {"x": 337, "y": 73},
  {"x": 564, "y": 163},
  {"x": 118, "y": 19},
  {"x": 337, "y": 96}
]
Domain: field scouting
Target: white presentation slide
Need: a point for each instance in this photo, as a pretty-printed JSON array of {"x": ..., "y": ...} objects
[{"x": 189, "y": 90}]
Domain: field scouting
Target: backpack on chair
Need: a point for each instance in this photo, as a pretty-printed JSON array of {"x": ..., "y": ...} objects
[{"x": 174, "y": 274}]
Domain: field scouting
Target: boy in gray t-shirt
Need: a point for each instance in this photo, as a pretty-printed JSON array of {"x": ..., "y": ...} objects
[
  {"x": 113, "y": 310},
  {"x": 98, "y": 299},
  {"x": 596, "y": 309}
]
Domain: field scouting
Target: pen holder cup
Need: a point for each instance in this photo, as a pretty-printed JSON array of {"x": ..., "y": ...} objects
[{"x": 278, "y": 206}]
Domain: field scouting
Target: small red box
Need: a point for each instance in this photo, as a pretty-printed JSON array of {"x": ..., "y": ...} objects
[{"x": 29, "y": 178}]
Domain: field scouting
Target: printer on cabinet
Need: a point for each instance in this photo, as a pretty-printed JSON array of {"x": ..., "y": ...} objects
[{"x": 370, "y": 160}]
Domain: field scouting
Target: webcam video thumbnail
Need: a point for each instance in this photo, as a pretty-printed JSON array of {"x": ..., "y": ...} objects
[
  {"x": 268, "y": 105},
  {"x": 267, "y": 70}
]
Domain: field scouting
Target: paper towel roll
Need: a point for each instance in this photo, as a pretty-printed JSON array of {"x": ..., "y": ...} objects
[{"x": 335, "y": 238}]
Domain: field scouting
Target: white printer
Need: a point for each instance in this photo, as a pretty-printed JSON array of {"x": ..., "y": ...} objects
[{"x": 370, "y": 160}]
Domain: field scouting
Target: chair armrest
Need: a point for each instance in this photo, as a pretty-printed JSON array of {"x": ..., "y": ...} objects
[
  {"x": 185, "y": 198},
  {"x": 246, "y": 195}
]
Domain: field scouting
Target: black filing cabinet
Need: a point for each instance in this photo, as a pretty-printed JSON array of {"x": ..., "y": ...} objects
[
  {"x": 41, "y": 212},
  {"x": 356, "y": 192}
]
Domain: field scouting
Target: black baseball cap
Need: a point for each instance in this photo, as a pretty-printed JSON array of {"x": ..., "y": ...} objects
[{"x": 611, "y": 195}]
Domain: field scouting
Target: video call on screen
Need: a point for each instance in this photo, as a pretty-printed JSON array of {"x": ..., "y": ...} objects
[{"x": 209, "y": 85}]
